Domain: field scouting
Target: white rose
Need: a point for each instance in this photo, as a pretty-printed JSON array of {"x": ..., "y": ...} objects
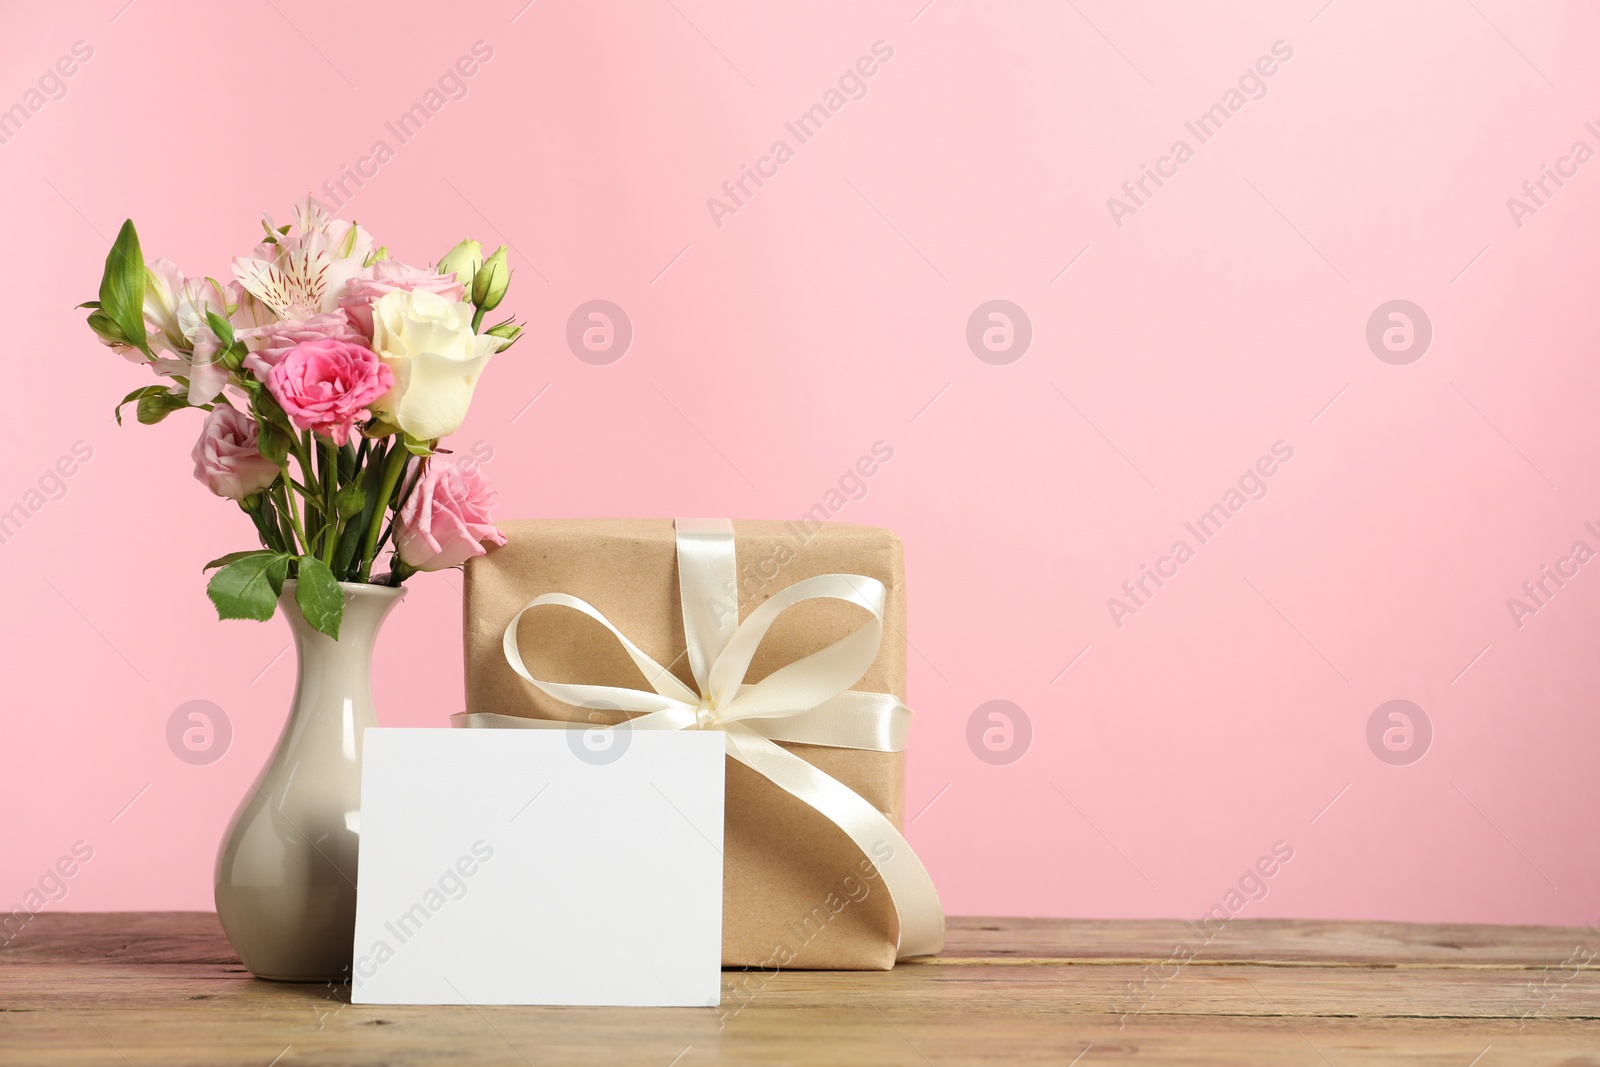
[{"x": 428, "y": 341}]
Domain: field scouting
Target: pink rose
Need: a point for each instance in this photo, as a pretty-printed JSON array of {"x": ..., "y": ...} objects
[
  {"x": 388, "y": 276},
  {"x": 268, "y": 344},
  {"x": 445, "y": 520},
  {"x": 225, "y": 458},
  {"x": 326, "y": 385}
]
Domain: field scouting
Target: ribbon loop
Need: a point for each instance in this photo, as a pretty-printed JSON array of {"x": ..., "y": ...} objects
[
  {"x": 663, "y": 681},
  {"x": 808, "y": 701},
  {"x": 706, "y": 564}
]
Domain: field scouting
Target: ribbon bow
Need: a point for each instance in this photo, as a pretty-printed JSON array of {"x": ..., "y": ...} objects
[{"x": 808, "y": 701}]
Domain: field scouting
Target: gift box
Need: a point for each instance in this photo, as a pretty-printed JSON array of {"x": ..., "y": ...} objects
[{"x": 814, "y": 877}]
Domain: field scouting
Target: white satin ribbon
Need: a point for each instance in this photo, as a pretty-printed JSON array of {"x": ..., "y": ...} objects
[{"x": 807, "y": 702}]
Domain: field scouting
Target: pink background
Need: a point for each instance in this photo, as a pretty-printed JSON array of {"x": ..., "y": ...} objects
[{"x": 829, "y": 312}]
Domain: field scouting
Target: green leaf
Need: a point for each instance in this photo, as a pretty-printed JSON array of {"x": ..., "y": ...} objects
[
  {"x": 347, "y": 461},
  {"x": 153, "y": 407},
  {"x": 90, "y": 304},
  {"x": 248, "y": 587},
  {"x": 122, "y": 287},
  {"x": 417, "y": 448},
  {"x": 345, "y": 561},
  {"x": 269, "y": 410},
  {"x": 272, "y": 443},
  {"x": 319, "y": 596},
  {"x": 344, "y": 555},
  {"x": 232, "y": 557},
  {"x": 264, "y": 513}
]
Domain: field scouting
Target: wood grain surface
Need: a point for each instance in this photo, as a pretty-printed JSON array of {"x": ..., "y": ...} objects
[{"x": 164, "y": 988}]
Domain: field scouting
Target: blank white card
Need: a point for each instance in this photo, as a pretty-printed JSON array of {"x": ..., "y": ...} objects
[{"x": 540, "y": 867}]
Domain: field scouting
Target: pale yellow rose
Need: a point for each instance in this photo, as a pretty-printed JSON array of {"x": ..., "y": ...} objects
[{"x": 429, "y": 343}]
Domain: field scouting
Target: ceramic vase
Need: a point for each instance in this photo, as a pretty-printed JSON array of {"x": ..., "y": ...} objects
[{"x": 286, "y": 868}]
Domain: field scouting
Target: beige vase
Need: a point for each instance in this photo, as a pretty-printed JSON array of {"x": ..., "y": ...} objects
[{"x": 286, "y": 868}]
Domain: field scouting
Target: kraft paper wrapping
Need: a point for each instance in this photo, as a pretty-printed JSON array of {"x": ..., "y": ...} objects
[{"x": 796, "y": 892}]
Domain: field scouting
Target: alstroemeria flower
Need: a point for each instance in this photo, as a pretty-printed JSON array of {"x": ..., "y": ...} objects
[
  {"x": 163, "y": 283},
  {"x": 303, "y": 273},
  {"x": 194, "y": 355},
  {"x": 248, "y": 312}
]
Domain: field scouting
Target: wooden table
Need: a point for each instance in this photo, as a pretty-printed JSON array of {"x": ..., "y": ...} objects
[{"x": 164, "y": 988}]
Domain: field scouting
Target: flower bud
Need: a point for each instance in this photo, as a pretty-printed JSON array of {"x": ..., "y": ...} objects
[
  {"x": 507, "y": 331},
  {"x": 463, "y": 261},
  {"x": 489, "y": 285},
  {"x": 106, "y": 329}
]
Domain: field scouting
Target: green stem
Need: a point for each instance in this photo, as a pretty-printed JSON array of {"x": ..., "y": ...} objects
[
  {"x": 302, "y": 449},
  {"x": 402, "y": 571},
  {"x": 407, "y": 488},
  {"x": 393, "y": 465},
  {"x": 287, "y": 506},
  {"x": 301, "y": 487},
  {"x": 477, "y": 319},
  {"x": 330, "y": 485},
  {"x": 285, "y": 528}
]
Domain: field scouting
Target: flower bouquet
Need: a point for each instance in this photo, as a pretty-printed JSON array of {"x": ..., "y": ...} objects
[{"x": 329, "y": 372}]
